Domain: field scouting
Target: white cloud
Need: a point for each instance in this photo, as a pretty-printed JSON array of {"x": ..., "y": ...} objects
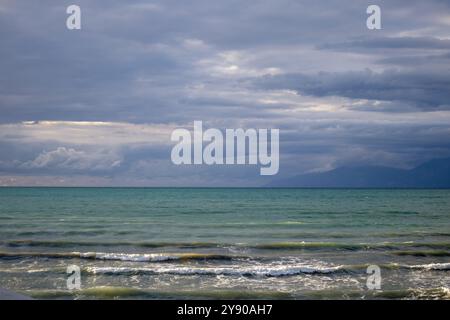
[
  {"x": 71, "y": 159},
  {"x": 87, "y": 133}
]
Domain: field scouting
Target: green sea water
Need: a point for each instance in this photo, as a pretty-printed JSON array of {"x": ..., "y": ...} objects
[{"x": 154, "y": 243}]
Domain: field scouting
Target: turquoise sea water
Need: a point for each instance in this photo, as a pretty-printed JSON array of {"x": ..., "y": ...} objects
[{"x": 225, "y": 243}]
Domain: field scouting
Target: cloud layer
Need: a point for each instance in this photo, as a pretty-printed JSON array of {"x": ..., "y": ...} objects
[{"x": 97, "y": 106}]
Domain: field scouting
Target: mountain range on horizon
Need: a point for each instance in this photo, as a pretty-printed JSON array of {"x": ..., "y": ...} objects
[{"x": 432, "y": 174}]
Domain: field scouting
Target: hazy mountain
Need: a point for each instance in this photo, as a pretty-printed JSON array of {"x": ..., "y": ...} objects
[{"x": 432, "y": 174}]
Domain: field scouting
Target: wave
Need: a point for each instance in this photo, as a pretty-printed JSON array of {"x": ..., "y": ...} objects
[
  {"x": 64, "y": 243},
  {"x": 307, "y": 245},
  {"x": 426, "y": 253},
  {"x": 288, "y": 245},
  {"x": 248, "y": 271},
  {"x": 282, "y": 262},
  {"x": 432, "y": 266},
  {"x": 289, "y": 223},
  {"x": 245, "y": 266},
  {"x": 395, "y": 266},
  {"x": 406, "y": 294},
  {"x": 109, "y": 292},
  {"x": 152, "y": 257},
  {"x": 132, "y": 257},
  {"x": 351, "y": 246},
  {"x": 265, "y": 270}
]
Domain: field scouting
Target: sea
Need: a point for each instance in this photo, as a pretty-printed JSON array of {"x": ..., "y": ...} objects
[{"x": 225, "y": 243}]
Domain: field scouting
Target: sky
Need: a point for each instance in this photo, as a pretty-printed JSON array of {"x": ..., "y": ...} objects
[{"x": 96, "y": 106}]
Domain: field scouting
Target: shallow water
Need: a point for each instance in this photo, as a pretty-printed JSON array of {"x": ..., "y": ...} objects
[{"x": 225, "y": 243}]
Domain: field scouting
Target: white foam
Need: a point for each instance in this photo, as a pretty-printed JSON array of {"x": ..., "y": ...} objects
[
  {"x": 432, "y": 266},
  {"x": 153, "y": 257},
  {"x": 267, "y": 270}
]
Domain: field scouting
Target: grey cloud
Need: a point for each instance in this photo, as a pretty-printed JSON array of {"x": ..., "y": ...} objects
[
  {"x": 128, "y": 63},
  {"x": 413, "y": 61},
  {"x": 370, "y": 43},
  {"x": 425, "y": 90}
]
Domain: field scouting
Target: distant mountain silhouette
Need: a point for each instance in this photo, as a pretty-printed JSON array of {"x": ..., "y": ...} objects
[{"x": 432, "y": 174}]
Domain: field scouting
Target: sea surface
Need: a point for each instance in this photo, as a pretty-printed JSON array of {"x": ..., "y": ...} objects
[{"x": 151, "y": 243}]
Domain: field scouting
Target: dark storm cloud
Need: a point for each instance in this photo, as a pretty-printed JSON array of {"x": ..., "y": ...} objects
[
  {"x": 417, "y": 60},
  {"x": 425, "y": 90},
  {"x": 424, "y": 43},
  {"x": 129, "y": 63}
]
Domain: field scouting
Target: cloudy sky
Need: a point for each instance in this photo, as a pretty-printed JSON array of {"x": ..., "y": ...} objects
[{"x": 97, "y": 106}]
